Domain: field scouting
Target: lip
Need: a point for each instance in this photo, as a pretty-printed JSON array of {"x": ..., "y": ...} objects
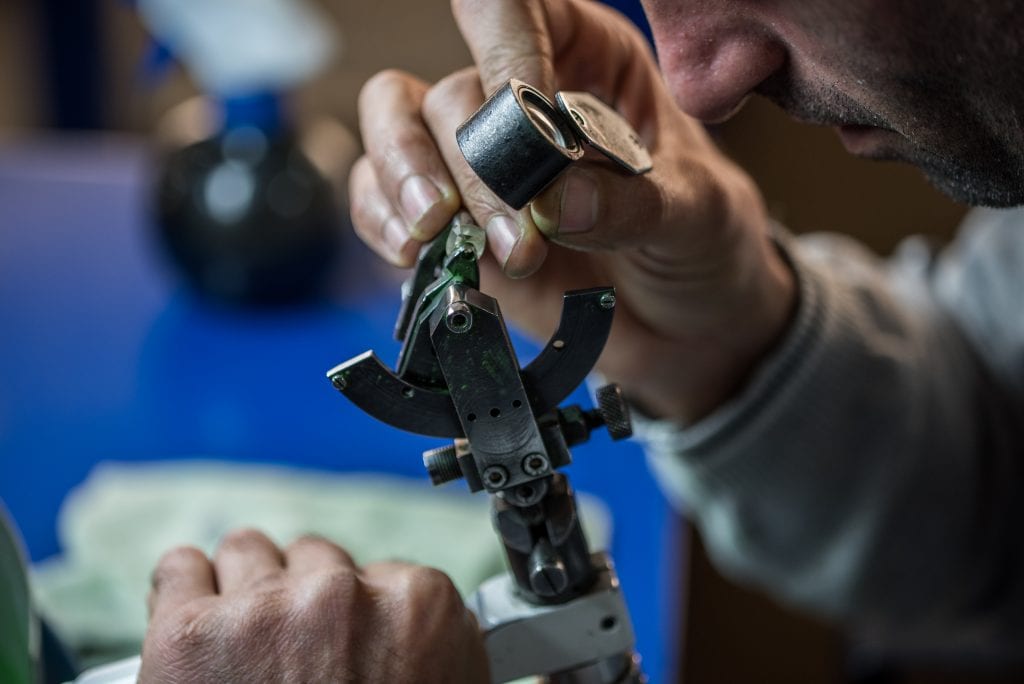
[{"x": 861, "y": 140}]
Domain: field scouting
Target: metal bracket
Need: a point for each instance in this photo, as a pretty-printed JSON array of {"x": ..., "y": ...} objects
[
  {"x": 560, "y": 367},
  {"x": 524, "y": 639}
]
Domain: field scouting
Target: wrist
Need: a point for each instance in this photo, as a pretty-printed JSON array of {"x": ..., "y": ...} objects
[{"x": 686, "y": 375}]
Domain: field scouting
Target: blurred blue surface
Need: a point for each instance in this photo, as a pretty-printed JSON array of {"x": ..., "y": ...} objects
[{"x": 104, "y": 356}]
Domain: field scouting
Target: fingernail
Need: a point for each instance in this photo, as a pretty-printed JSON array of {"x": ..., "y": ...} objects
[
  {"x": 504, "y": 234},
  {"x": 579, "y": 204},
  {"x": 395, "y": 235},
  {"x": 417, "y": 195},
  {"x": 546, "y": 208}
]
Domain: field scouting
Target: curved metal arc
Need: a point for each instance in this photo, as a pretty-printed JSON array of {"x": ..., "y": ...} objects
[
  {"x": 375, "y": 389},
  {"x": 573, "y": 350}
]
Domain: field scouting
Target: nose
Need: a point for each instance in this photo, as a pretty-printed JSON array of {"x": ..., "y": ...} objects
[{"x": 711, "y": 65}]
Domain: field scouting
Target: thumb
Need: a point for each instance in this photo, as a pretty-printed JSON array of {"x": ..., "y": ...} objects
[{"x": 594, "y": 207}]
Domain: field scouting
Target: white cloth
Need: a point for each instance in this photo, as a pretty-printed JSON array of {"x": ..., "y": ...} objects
[{"x": 116, "y": 525}]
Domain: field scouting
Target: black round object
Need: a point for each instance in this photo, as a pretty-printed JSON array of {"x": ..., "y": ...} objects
[
  {"x": 614, "y": 410},
  {"x": 518, "y": 142},
  {"x": 248, "y": 218}
]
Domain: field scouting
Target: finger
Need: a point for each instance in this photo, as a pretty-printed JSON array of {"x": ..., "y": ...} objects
[
  {"x": 310, "y": 553},
  {"x": 552, "y": 45},
  {"x": 374, "y": 218},
  {"x": 585, "y": 208},
  {"x": 181, "y": 575},
  {"x": 244, "y": 558},
  {"x": 409, "y": 169},
  {"x": 507, "y": 40},
  {"x": 564, "y": 45},
  {"x": 512, "y": 238}
]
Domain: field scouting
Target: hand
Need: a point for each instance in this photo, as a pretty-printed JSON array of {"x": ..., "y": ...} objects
[
  {"x": 305, "y": 614},
  {"x": 702, "y": 292}
]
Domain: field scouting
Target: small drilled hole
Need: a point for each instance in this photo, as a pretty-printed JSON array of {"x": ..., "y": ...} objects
[
  {"x": 608, "y": 623},
  {"x": 495, "y": 478},
  {"x": 471, "y": 417},
  {"x": 526, "y": 492},
  {"x": 495, "y": 412},
  {"x": 459, "y": 320},
  {"x": 516, "y": 403},
  {"x": 536, "y": 463}
]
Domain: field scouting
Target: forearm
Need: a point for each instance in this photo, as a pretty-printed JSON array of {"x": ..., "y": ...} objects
[{"x": 869, "y": 470}]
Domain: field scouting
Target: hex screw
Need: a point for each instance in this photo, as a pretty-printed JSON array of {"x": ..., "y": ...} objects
[
  {"x": 607, "y": 300},
  {"x": 459, "y": 317},
  {"x": 535, "y": 464},
  {"x": 495, "y": 476}
]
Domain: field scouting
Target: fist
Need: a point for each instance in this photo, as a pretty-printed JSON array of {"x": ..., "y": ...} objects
[{"x": 307, "y": 613}]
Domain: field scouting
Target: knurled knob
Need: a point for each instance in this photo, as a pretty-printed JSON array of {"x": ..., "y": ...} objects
[
  {"x": 442, "y": 464},
  {"x": 614, "y": 411}
]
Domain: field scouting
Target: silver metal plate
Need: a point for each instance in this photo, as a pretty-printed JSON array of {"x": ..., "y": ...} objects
[{"x": 606, "y": 130}]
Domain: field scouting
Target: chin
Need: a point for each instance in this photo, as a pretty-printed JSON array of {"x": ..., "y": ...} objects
[
  {"x": 976, "y": 192},
  {"x": 999, "y": 182}
]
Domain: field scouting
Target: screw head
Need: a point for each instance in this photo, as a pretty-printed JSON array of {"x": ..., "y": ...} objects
[
  {"x": 535, "y": 464},
  {"x": 607, "y": 300},
  {"x": 459, "y": 317},
  {"x": 549, "y": 580},
  {"x": 339, "y": 382},
  {"x": 495, "y": 477}
]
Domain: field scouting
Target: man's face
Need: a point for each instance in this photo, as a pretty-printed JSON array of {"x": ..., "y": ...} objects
[{"x": 937, "y": 83}]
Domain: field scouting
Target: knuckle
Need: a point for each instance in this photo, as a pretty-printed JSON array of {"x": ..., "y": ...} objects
[
  {"x": 427, "y": 582},
  {"x": 481, "y": 202},
  {"x": 261, "y": 613},
  {"x": 512, "y": 57},
  {"x": 309, "y": 540},
  {"x": 339, "y": 583},
  {"x": 438, "y": 99},
  {"x": 406, "y": 142},
  {"x": 241, "y": 539},
  {"x": 383, "y": 81},
  {"x": 426, "y": 605},
  {"x": 332, "y": 594},
  {"x": 174, "y": 561}
]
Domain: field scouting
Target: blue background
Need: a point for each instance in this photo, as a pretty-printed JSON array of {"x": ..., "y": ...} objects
[{"x": 104, "y": 356}]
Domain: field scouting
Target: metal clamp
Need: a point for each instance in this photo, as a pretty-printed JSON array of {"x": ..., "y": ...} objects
[{"x": 524, "y": 638}]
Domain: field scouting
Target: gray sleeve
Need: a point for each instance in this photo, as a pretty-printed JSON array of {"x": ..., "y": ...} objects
[{"x": 872, "y": 468}]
